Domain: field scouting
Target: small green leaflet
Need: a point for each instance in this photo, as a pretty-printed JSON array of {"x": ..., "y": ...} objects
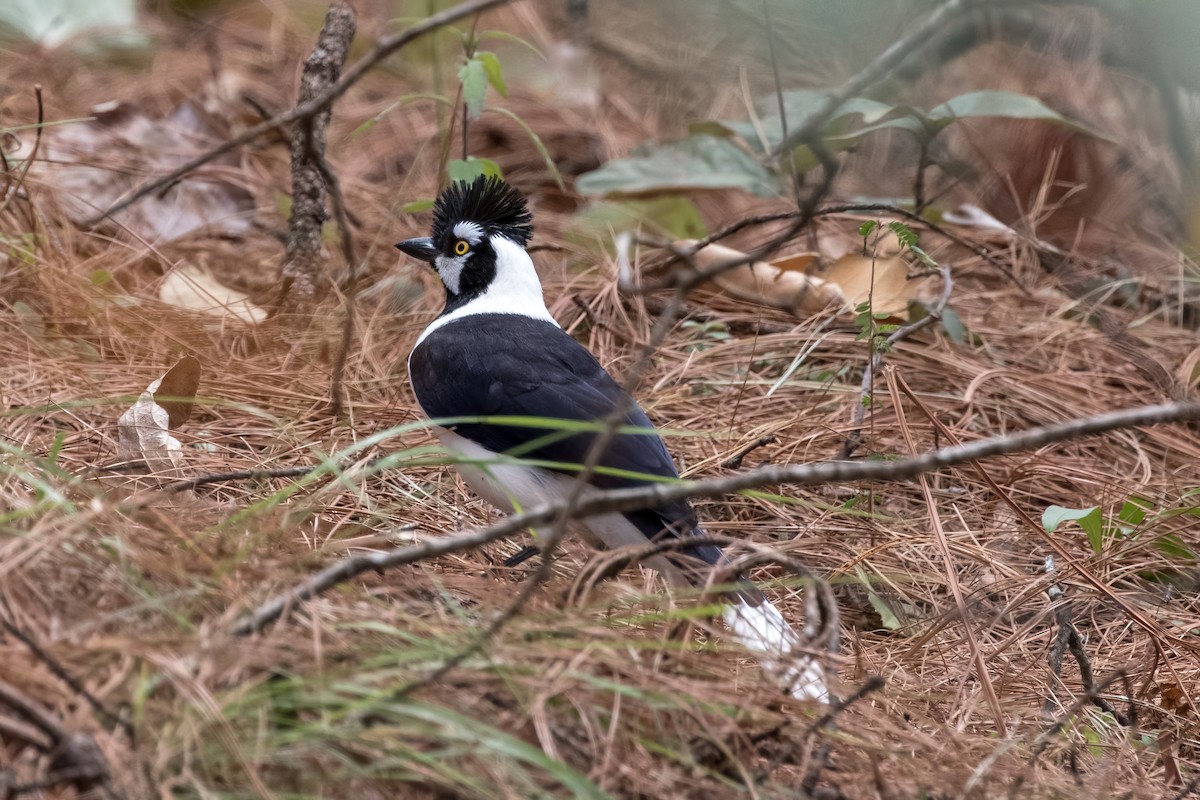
[
  {"x": 491, "y": 65},
  {"x": 952, "y": 324},
  {"x": 1090, "y": 519},
  {"x": 480, "y": 71},
  {"x": 470, "y": 169}
]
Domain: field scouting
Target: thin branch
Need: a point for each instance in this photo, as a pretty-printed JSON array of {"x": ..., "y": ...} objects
[
  {"x": 240, "y": 475},
  {"x": 921, "y": 36},
  {"x": 1068, "y": 638},
  {"x": 700, "y": 276},
  {"x": 735, "y": 460},
  {"x": 828, "y": 720},
  {"x": 1054, "y": 543},
  {"x": 382, "y": 50},
  {"x": 656, "y": 494},
  {"x": 66, "y": 677},
  {"x": 37, "y": 140},
  {"x": 1043, "y": 740},
  {"x": 334, "y": 188},
  {"x": 1039, "y": 743},
  {"x": 32, "y": 713}
]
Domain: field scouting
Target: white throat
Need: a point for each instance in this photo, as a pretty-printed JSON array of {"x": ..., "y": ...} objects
[{"x": 516, "y": 289}]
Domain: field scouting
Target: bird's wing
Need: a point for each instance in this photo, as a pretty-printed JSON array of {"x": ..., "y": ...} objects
[{"x": 511, "y": 365}]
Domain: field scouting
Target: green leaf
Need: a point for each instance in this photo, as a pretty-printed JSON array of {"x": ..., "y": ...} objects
[
  {"x": 924, "y": 257},
  {"x": 470, "y": 169},
  {"x": 695, "y": 163},
  {"x": 906, "y": 235},
  {"x": 1133, "y": 511},
  {"x": 952, "y": 324},
  {"x": 100, "y": 277},
  {"x": 537, "y": 142},
  {"x": 491, "y": 66},
  {"x": 995, "y": 103},
  {"x": 474, "y": 79},
  {"x": 867, "y": 228},
  {"x": 886, "y": 615},
  {"x": 1090, "y": 519},
  {"x": 424, "y": 204},
  {"x": 1173, "y": 547},
  {"x": 52, "y": 23}
]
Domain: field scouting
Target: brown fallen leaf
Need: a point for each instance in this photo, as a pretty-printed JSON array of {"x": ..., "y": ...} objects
[
  {"x": 783, "y": 285},
  {"x": 883, "y": 280},
  {"x": 143, "y": 431},
  {"x": 195, "y": 289}
]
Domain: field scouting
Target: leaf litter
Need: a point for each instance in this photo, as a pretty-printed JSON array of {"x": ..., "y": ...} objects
[{"x": 139, "y": 601}]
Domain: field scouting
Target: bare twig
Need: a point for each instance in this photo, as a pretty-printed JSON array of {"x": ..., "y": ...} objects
[
  {"x": 701, "y": 276},
  {"x": 820, "y": 757},
  {"x": 37, "y": 140},
  {"x": 1043, "y": 740},
  {"x": 659, "y": 493},
  {"x": 343, "y": 221},
  {"x": 382, "y": 50},
  {"x": 1068, "y": 638},
  {"x": 1039, "y": 744},
  {"x": 66, "y": 677},
  {"x": 919, "y": 37},
  {"x": 241, "y": 475},
  {"x": 32, "y": 713},
  {"x": 735, "y": 460},
  {"x": 934, "y": 314}
]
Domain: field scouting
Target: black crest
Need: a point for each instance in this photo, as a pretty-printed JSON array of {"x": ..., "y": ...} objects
[{"x": 487, "y": 201}]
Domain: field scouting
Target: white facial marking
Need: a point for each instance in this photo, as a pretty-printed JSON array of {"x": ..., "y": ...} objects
[
  {"x": 515, "y": 289},
  {"x": 451, "y": 271},
  {"x": 470, "y": 231}
]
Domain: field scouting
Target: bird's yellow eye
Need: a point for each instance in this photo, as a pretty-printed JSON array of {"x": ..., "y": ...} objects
[{"x": 461, "y": 248}]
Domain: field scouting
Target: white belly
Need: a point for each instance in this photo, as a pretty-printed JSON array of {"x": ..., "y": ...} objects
[{"x": 515, "y": 487}]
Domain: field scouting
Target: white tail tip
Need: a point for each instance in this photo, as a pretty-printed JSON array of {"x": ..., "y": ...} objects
[{"x": 762, "y": 629}]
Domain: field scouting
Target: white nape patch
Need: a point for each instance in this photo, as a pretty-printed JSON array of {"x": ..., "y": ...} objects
[
  {"x": 762, "y": 629},
  {"x": 516, "y": 289},
  {"x": 510, "y": 486},
  {"x": 450, "y": 270},
  {"x": 470, "y": 231}
]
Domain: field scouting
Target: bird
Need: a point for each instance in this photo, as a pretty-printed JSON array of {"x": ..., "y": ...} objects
[{"x": 495, "y": 351}]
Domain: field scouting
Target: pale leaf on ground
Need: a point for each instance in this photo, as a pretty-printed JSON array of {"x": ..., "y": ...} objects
[
  {"x": 883, "y": 281},
  {"x": 195, "y": 289},
  {"x": 786, "y": 286},
  {"x": 143, "y": 431}
]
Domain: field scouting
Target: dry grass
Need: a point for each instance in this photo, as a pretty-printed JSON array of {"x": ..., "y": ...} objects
[{"x": 135, "y": 592}]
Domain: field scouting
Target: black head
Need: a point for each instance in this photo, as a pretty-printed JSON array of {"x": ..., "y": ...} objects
[{"x": 466, "y": 218}]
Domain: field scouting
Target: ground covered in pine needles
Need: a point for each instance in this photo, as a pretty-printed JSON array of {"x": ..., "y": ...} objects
[{"x": 613, "y": 689}]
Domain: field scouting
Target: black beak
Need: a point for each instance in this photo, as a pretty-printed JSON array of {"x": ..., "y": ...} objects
[{"x": 421, "y": 249}]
